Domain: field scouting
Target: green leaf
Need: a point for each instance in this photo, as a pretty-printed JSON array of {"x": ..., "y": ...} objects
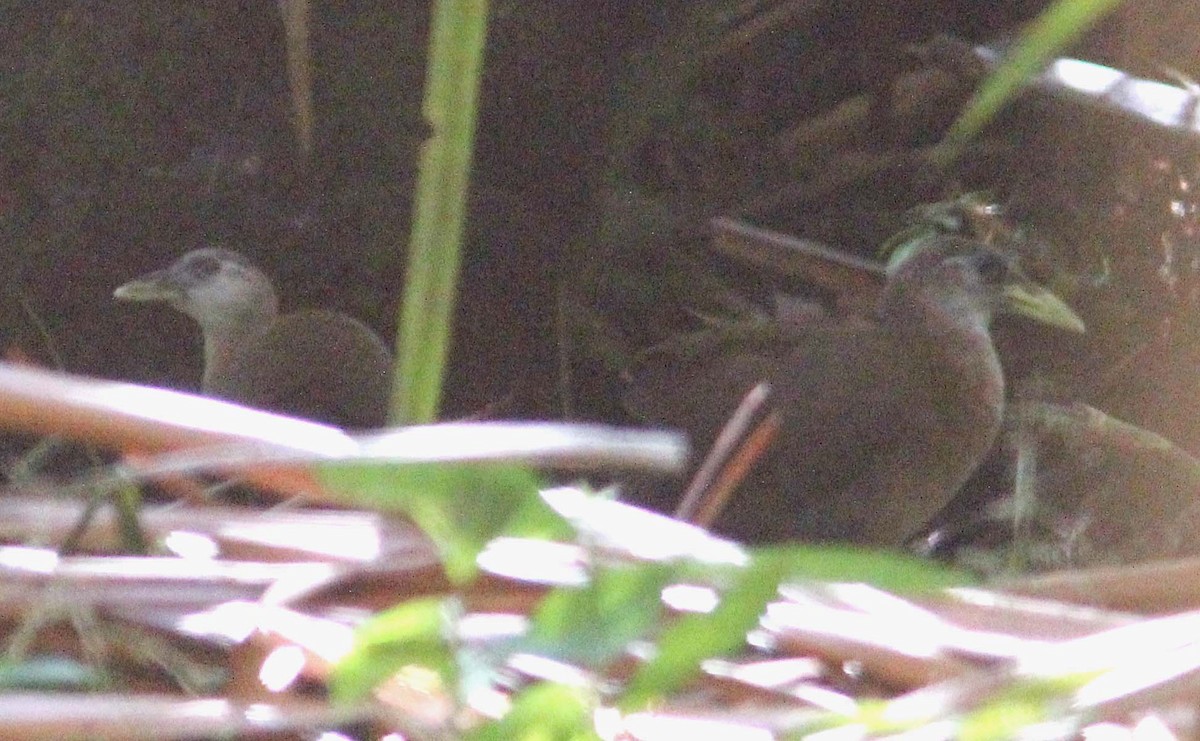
[
  {"x": 1056, "y": 27},
  {"x": 1002, "y": 720},
  {"x": 697, "y": 637},
  {"x": 1026, "y": 702},
  {"x": 889, "y": 570},
  {"x": 594, "y": 624},
  {"x": 411, "y": 634},
  {"x": 57, "y": 673},
  {"x": 459, "y": 506},
  {"x": 543, "y": 712},
  {"x": 747, "y": 590}
]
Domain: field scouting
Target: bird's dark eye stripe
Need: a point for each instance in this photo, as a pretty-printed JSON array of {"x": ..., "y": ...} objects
[
  {"x": 203, "y": 266},
  {"x": 994, "y": 268}
]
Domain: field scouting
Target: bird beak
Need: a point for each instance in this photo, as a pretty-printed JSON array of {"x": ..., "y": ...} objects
[
  {"x": 156, "y": 286},
  {"x": 1031, "y": 300}
]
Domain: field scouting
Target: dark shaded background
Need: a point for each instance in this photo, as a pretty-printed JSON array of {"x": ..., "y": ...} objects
[{"x": 133, "y": 131}]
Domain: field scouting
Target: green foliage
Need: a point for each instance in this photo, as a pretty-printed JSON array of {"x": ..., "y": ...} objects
[
  {"x": 464, "y": 506},
  {"x": 543, "y": 712},
  {"x": 459, "y": 506},
  {"x": 1009, "y": 712},
  {"x": 697, "y": 637},
  {"x": 456, "y": 46},
  {"x": 594, "y": 624},
  {"x": 1024, "y": 703},
  {"x": 50, "y": 673},
  {"x": 1005, "y": 715},
  {"x": 886, "y": 570},
  {"x": 411, "y": 634},
  {"x": 869, "y": 720},
  {"x": 1058, "y": 26}
]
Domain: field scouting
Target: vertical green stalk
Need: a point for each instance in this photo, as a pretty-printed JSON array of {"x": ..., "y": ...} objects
[
  {"x": 457, "y": 37},
  {"x": 1058, "y": 26}
]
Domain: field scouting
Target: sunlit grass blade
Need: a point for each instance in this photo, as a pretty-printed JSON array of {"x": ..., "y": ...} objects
[
  {"x": 1057, "y": 26},
  {"x": 456, "y": 47}
]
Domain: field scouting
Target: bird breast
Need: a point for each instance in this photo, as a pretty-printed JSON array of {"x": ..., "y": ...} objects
[{"x": 321, "y": 365}]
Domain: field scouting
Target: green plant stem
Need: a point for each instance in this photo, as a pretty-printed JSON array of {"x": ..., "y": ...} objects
[{"x": 456, "y": 46}]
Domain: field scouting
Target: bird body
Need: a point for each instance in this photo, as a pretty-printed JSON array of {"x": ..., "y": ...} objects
[
  {"x": 884, "y": 419},
  {"x": 316, "y": 364}
]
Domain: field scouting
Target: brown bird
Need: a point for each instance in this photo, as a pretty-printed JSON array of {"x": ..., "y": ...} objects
[
  {"x": 320, "y": 365},
  {"x": 884, "y": 419}
]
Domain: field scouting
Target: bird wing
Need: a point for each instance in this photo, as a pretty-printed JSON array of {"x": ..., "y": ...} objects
[
  {"x": 320, "y": 365},
  {"x": 844, "y": 389},
  {"x": 861, "y": 425}
]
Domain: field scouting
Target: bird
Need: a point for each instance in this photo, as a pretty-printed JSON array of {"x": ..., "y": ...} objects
[
  {"x": 316, "y": 364},
  {"x": 883, "y": 417}
]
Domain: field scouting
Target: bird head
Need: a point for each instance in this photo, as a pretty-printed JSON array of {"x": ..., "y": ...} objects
[
  {"x": 218, "y": 288},
  {"x": 972, "y": 281}
]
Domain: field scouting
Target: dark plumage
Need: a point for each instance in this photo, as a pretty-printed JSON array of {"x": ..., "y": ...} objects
[
  {"x": 320, "y": 365},
  {"x": 884, "y": 419}
]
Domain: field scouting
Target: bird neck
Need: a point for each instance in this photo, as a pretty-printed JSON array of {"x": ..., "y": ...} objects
[
  {"x": 226, "y": 337},
  {"x": 949, "y": 335}
]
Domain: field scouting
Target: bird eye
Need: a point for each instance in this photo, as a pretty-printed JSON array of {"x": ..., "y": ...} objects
[
  {"x": 203, "y": 266},
  {"x": 994, "y": 268}
]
